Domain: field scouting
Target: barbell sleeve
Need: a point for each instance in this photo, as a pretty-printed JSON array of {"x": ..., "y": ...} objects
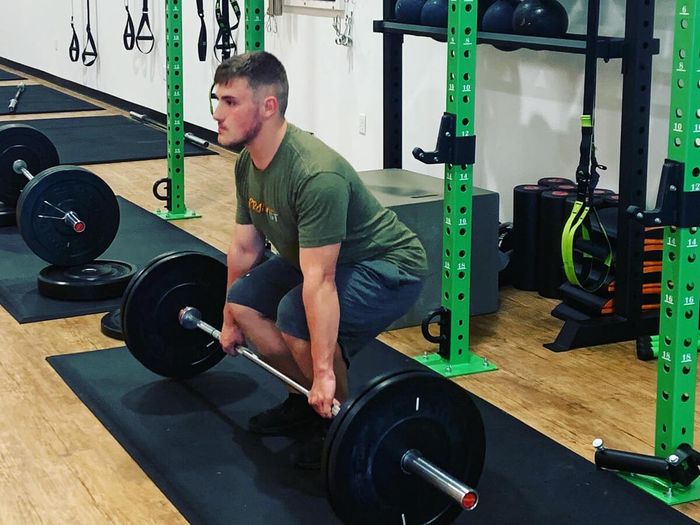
[
  {"x": 15, "y": 100},
  {"x": 20, "y": 168},
  {"x": 413, "y": 462},
  {"x": 190, "y": 317}
]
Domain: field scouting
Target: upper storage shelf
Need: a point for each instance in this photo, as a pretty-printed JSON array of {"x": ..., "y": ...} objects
[{"x": 608, "y": 47}]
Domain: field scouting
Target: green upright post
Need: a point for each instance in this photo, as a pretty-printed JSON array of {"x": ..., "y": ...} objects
[
  {"x": 680, "y": 277},
  {"x": 175, "y": 208},
  {"x": 457, "y": 213},
  {"x": 254, "y": 25}
]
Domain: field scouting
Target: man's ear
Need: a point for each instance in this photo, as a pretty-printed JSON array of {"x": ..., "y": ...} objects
[{"x": 270, "y": 106}]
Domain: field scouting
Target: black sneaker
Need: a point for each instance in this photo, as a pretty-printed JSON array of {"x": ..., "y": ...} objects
[
  {"x": 292, "y": 414},
  {"x": 308, "y": 457}
]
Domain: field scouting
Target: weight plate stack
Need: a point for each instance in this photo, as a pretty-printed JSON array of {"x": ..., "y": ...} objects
[
  {"x": 93, "y": 281},
  {"x": 111, "y": 324}
]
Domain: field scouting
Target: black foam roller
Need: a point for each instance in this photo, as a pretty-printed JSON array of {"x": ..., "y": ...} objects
[
  {"x": 550, "y": 273},
  {"x": 550, "y": 182},
  {"x": 525, "y": 212}
]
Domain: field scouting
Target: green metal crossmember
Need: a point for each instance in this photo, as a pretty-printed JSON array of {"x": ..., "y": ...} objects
[
  {"x": 457, "y": 227},
  {"x": 176, "y": 208},
  {"x": 680, "y": 276},
  {"x": 254, "y": 25}
]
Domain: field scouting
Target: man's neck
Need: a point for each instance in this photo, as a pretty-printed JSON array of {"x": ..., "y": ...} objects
[{"x": 263, "y": 147}]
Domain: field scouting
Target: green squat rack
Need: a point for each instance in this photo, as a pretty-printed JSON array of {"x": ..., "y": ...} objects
[
  {"x": 175, "y": 207},
  {"x": 671, "y": 474},
  {"x": 456, "y": 148}
]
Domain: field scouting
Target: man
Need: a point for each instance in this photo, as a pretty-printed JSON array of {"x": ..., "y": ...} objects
[{"x": 346, "y": 267}]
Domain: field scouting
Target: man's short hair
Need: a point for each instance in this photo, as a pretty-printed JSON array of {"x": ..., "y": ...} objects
[{"x": 259, "y": 68}]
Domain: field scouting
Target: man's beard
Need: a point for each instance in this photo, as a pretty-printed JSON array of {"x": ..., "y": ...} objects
[{"x": 249, "y": 135}]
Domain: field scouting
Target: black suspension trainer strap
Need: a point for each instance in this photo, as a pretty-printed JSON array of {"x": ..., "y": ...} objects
[
  {"x": 593, "y": 271},
  {"x": 226, "y": 38},
  {"x": 202, "y": 41},
  {"x": 129, "y": 35},
  {"x": 74, "y": 47},
  {"x": 144, "y": 33},
  {"x": 89, "y": 49}
]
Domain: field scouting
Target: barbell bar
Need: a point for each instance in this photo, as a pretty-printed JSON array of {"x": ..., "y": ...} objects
[{"x": 412, "y": 462}]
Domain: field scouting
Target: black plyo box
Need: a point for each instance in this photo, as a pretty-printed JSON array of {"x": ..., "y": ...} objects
[{"x": 417, "y": 200}]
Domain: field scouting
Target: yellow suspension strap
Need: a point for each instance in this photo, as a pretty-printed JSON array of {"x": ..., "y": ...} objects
[{"x": 593, "y": 266}]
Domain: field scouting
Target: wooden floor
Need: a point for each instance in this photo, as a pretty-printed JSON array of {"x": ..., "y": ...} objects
[{"x": 59, "y": 465}]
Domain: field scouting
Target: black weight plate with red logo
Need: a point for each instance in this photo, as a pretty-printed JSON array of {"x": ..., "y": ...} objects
[
  {"x": 22, "y": 142},
  {"x": 44, "y": 206},
  {"x": 409, "y": 410},
  {"x": 150, "y": 309}
]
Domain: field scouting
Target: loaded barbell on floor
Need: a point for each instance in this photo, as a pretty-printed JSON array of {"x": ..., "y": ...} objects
[
  {"x": 408, "y": 449},
  {"x": 67, "y": 215}
]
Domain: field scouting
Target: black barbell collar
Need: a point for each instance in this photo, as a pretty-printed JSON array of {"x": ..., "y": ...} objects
[{"x": 145, "y": 34}]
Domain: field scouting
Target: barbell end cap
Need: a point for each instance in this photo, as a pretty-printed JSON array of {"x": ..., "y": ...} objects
[
  {"x": 18, "y": 166},
  {"x": 598, "y": 444},
  {"x": 470, "y": 500},
  {"x": 189, "y": 317}
]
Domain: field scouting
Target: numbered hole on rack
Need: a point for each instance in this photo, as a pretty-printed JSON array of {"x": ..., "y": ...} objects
[
  {"x": 667, "y": 368},
  {"x": 686, "y": 370},
  {"x": 667, "y": 340},
  {"x": 462, "y": 253},
  {"x": 460, "y": 297},
  {"x": 684, "y": 23},
  {"x": 468, "y": 7},
  {"x": 463, "y": 210},
  {"x": 671, "y": 256},
  {"x": 690, "y": 286},
  {"x": 669, "y": 312},
  {"x": 677, "y": 142},
  {"x": 460, "y": 275},
  {"x": 669, "y": 284},
  {"x": 465, "y": 99},
  {"x": 692, "y": 257},
  {"x": 696, "y": 142},
  {"x": 688, "y": 314},
  {"x": 683, "y": 431},
  {"x": 687, "y": 342},
  {"x": 681, "y": 53},
  {"x": 462, "y": 231},
  {"x": 685, "y": 397},
  {"x": 447, "y": 274},
  {"x": 665, "y": 395},
  {"x": 680, "y": 83}
]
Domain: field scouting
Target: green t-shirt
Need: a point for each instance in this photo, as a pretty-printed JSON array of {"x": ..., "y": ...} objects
[{"x": 309, "y": 196}]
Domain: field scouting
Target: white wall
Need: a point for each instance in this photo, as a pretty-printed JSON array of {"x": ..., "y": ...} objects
[{"x": 528, "y": 102}]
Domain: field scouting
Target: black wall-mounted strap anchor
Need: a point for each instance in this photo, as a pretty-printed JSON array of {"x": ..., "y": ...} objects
[
  {"x": 443, "y": 316},
  {"x": 674, "y": 207},
  {"x": 450, "y": 149}
]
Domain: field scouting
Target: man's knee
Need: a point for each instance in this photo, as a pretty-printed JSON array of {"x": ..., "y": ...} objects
[{"x": 246, "y": 318}]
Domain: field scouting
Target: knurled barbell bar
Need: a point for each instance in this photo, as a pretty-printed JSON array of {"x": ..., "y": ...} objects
[
  {"x": 67, "y": 215},
  {"x": 375, "y": 461}
]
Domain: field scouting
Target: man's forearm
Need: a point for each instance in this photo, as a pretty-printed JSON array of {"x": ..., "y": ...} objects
[{"x": 323, "y": 317}]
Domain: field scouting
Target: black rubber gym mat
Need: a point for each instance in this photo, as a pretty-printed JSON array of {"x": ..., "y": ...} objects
[
  {"x": 111, "y": 138},
  {"x": 191, "y": 439},
  {"x": 141, "y": 236},
  {"x": 6, "y": 75},
  {"x": 41, "y": 99}
]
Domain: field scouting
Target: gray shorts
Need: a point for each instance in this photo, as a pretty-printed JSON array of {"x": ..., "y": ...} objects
[{"x": 372, "y": 295}]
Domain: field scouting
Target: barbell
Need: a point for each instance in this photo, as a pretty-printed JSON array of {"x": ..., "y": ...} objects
[
  {"x": 409, "y": 448},
  {"x": 66, "y": 214}
]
